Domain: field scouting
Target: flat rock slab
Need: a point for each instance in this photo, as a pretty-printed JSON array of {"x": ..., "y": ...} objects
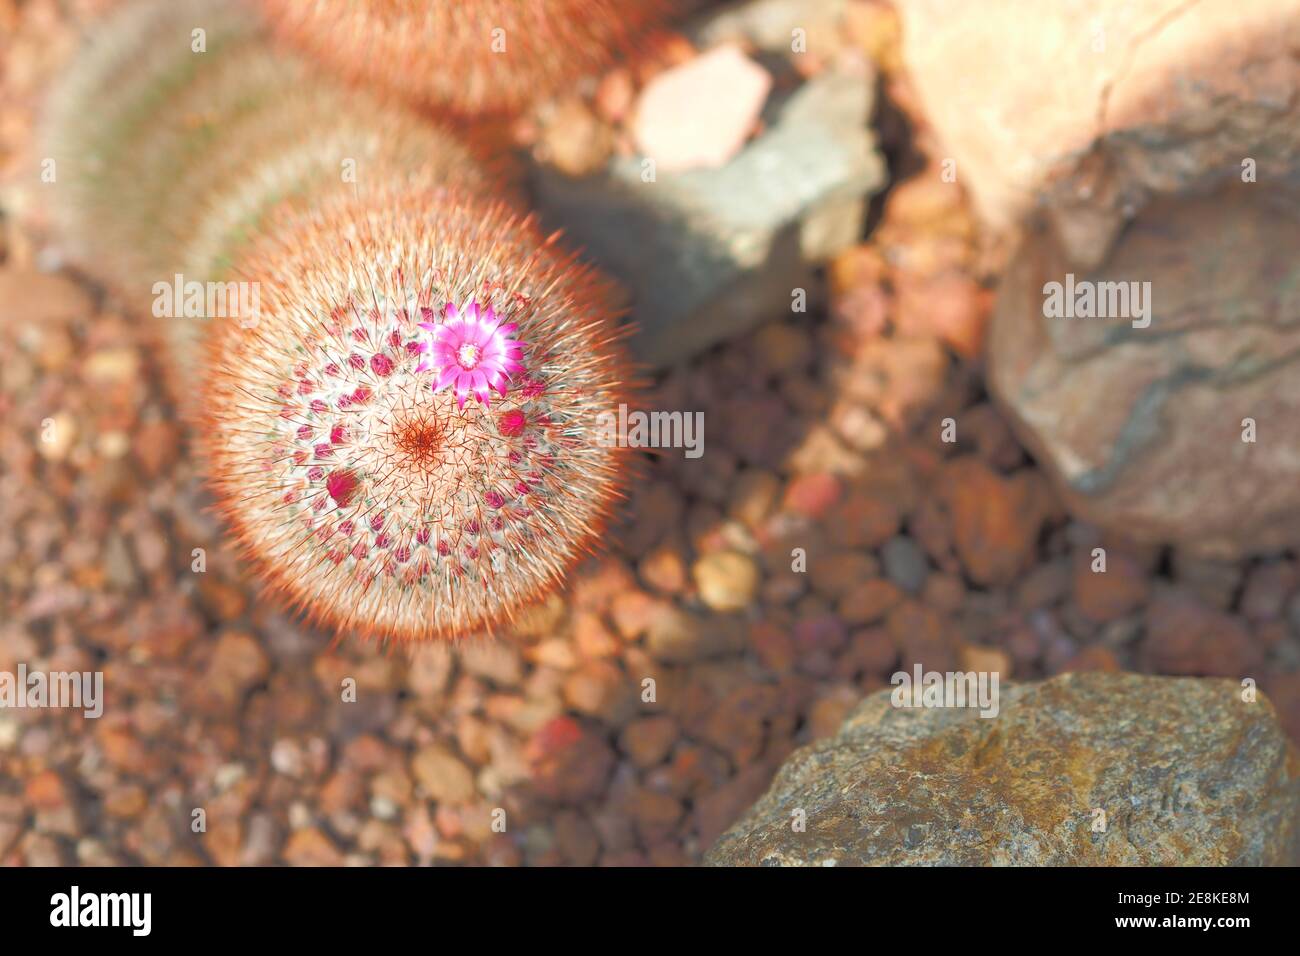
[
  {"x": 709, "y": 253},
  {"x": 1185, "y": 770}
]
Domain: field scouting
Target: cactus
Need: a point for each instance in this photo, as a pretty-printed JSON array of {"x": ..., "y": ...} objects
[
  {"x": 169, "y": 157},
  {"x": 402, "y": 434},
  {"x": 349, "y": 462},
  {"x": 467, "y": 57}
]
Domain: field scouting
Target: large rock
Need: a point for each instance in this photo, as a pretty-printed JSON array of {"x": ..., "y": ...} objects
[
  {"x": 709, "y": 253},
  {"x": 1101, "y": 103},
  {"x": 1143, "y": 427},
  {"x": 1186, "y": 772},
  {"x": 1100, "y": 143}
]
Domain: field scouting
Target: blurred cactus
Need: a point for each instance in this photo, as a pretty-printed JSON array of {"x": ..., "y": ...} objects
[{"x": 467, "y": 57}]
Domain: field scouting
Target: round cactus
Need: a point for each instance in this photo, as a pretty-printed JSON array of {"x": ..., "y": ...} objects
[
  {"x": 407, "y": 443},
  {"x": 467, "y": 56}
]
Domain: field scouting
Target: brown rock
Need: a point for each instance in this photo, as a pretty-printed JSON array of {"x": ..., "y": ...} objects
[
  {"x": 224, "y": 841},
  {"x": 634, "y": 612},
  {"x": 987, "y": 660},
  {"x": 950, "y": 307},
  {"x": 125, "y": 802},
  {"x": 1267, "y": 589},
  {"x": 1109, "y": 595},
  {"x": 783, "y": 347},
  {"x": 829, "y": 711},
  {"x": 1142, "y": 426},
  {"x": 773, "y": 645},
  {"x": 1095, "y": 658},
  {"x": 664, "y": 570},
  {"x": 600, "y": 689},
  {"x": 157, "y": 446},
  {"x": 648, "y": 740},
  {"x": 1186, "y": 637},
  {"x": 556, "y": 652},
  {"x": 592, "y": 637},
  {"x": 39, "y": 299},
  {"x": 654, "y": 813},
  {"x": 873, "y": 651},
  {"x": 574, "y": 140},
  {"x": 570, "y": 762},
  {"x": 311, "y": 847},
  {"x": 995, "y": 520},
  {"x": 863, "y": 520},
  {"x": 1045, "y": 585},
  {"x": 718, "y": 809},
  {"x": 46, "y": 791},
  {"x": 678, "y": 637},
  {"x": 812, "y": 495},
  {"x": 753, "y": 497},
  {"x": 901, "y": 378},
  {"x": 577, "y": 839},
  {"x": 343, "y": 791},
  {"x": 922, "y": 635},
  {"x": 123, "y": 749},
  {"x": 840, "y": 573},
  {"x": 496, "y": 661},
  {"x": 226, "y": 601},
  {"x": 443, "y": 775},
  {"x": 238, "y": 662},
  {"x": 736, "y": 724}
]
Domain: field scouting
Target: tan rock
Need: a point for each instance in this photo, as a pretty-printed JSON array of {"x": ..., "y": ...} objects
[
  {"x": 699, "y": 114},
  {"x": 311, "y": 847},
  {"x": 443, "y": 775},
  {"x": 727, "y": 580}
]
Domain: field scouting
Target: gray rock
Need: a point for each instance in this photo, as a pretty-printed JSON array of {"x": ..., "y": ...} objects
[
  {"x": 1186, "y": 772},
  {"x": 707, "y": 254},
  {"x": 905, "y": 563}
]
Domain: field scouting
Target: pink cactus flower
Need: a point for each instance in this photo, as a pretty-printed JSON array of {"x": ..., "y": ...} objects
[{"x": 472, "y": 351}]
